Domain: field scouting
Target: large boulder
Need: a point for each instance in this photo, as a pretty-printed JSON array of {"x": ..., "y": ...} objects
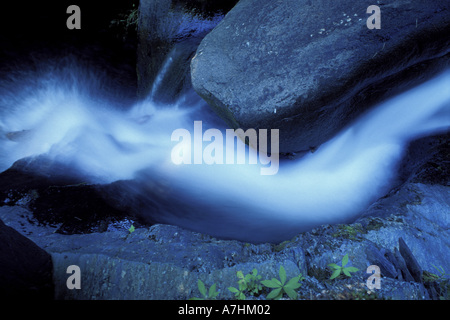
[
  {"x": 26, "y": 270},
  {"x": 160, "y": 262},
  {"x": 309, "y": 67},
  {"x": 169, "y": 32}
]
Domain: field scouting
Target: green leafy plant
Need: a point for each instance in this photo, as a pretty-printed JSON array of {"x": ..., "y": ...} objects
[
  {"x": 126, "y": 22},
  {"x": 128, "y": 19},
  {"x": 283, "y": 286},
  {"x": 342, "y": 269},
  {"x": 239, "y": 292},
  {"x": 210, "y": 294},
  {"x": 442, "y": 281},
  {"x": 132, "y": 229},
  {"x": 250, "y": 283},
  {"x": 441, "y": 271}
]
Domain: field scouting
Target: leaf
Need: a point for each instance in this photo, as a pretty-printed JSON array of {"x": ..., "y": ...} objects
[
  {"x": 335, "y": 274},
  {"x": 268, "y": 283},
  {"x": 440, "y": 270},
  {"x": 274, "y": 283},
  {"x": 291, "y": 293},
  {"x": 334, "y": 266},
  {"x": 132, "y": 229},
  {"x": 293, "y": 280},
  {"x": 241, "y": 296},
  {"x": 345, "y": 260},
  {"x": 293, "y": 283},
  {"x": 240, "y": 275},
  {"x": 346, "y": 272},
  {"x": 233, "y": 289},
  {"x": 352, "y": 269},
  {"x": 282, "y": 274},
  {"x": 212, "y": 291},
  {"x": 274, "y": 294},
  {"x": 256, "y": 289},
  {"x": 201, "y": 287}
]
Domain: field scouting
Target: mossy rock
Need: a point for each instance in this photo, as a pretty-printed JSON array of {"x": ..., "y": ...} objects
[{"x": 351, "y": 232}]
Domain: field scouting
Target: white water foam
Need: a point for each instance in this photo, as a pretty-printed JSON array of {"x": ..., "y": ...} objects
[{"x": 69, "y": 123}]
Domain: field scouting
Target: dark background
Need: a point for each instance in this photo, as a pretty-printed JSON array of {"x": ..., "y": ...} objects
[
  {"x": 30, "y": 25},
  {"x": 32, "y": 32}
]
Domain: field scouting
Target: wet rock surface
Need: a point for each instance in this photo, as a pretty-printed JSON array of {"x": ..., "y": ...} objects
[
  {"x": 169, "y": 32},
  {"x": 308, "y": 68},
  {"x": 405, "y": 233},
  {"x": 165, "y": 262}
]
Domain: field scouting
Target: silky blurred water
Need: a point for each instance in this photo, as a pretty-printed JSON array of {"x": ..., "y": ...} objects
[{"x": 71, "y": 117}]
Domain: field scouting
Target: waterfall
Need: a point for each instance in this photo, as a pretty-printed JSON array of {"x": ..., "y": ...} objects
[{"x": 71, "y": 121}]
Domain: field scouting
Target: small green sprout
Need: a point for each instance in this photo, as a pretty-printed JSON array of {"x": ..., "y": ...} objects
[
  {"x": 338, "y": 269},
  {"x": 249, "y": 283},
  {"x": 132, "y": 229},
  {"x": 441, "y": 279},
  {"x": 210, "y": 294},
  {"x": 239, "y": 292},
  {"x": 281, "y": 286}
]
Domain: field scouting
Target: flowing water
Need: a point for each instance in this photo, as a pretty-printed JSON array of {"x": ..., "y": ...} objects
[{"x": 71, "y": 116}]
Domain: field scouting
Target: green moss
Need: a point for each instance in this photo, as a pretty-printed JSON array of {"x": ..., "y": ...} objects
[
  {"x": 351, "y": 232},
  {"x": 374, "y": 224},
  {"x": 281, "y": 246}
]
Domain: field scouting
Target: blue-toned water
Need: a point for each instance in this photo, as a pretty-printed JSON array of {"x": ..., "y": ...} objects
[{"x": 69, "y": 115}]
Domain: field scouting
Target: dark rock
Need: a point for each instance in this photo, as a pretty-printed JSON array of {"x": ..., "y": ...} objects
[
  {"x": 404, "y": 272},
  {"x": 310, "y": 67},
  {"x": 375, "y": 257},
  {"x": 25, "y": 269},
  {"x": 58, "y": 198},
  {"x": 411, "y": 262},
  {"x": 418, "y": 214},
  {"x": 391, "y": 258},
  {"x": 393, "y": 265},
  {"x": 139, "y": 265},
  {"x": 160, "y": 262},
  {"x": 30, "y": 174},
  {"x": 75, "y": 208},
  {"x": 433, "y": 289},
  {"x": 426, "y": 161},
  {"x": 169, "y": 32}
]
